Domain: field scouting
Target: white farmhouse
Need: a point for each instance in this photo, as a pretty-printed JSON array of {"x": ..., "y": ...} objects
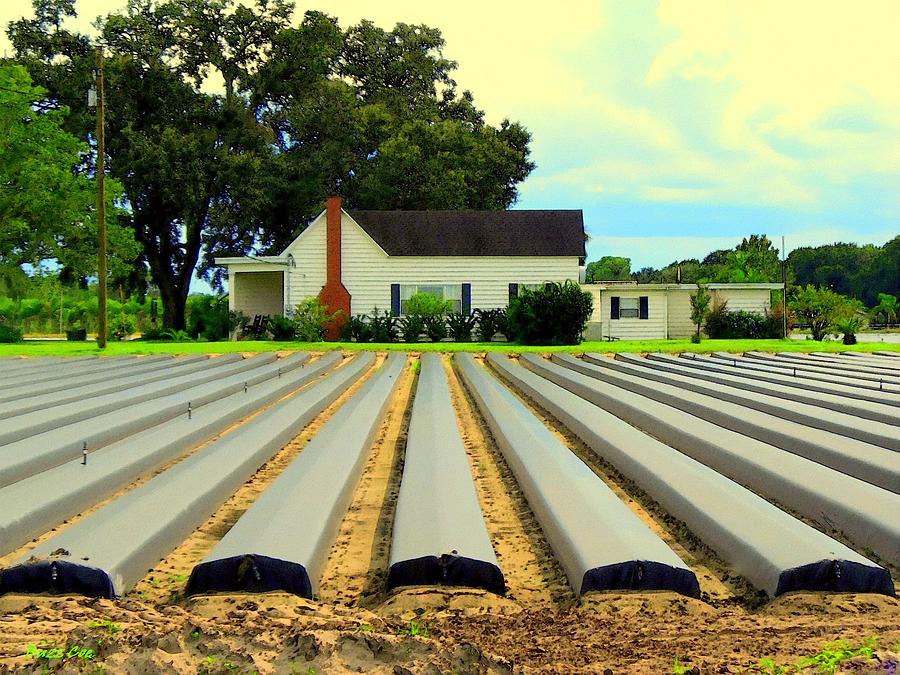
[{"x": 358, "y": 261}]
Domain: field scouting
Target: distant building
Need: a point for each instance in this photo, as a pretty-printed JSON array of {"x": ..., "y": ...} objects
[{"x": 632, "y": 311}]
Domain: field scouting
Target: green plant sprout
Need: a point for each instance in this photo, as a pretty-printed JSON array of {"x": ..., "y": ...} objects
[{"x": 112, "y": 627}]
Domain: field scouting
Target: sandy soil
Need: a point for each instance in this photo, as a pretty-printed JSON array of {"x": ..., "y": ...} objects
[{"x": 353, "y": 626}]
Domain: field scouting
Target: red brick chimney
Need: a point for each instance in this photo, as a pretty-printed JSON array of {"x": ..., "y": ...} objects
[{"x": 334, "y": 295}]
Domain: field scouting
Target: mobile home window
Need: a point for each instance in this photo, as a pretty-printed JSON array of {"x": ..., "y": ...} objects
[
  {"x": 629, "y": 308},
  {"x": 451, "y": 292}
]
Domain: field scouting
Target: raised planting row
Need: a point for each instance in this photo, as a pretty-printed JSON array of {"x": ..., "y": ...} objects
[
  {"x": 28, "y": 424},
  {"x": 802, "y": 373},
  {"x": 775, "y": 551},
  {"x": 46, "y": 372},
  {"x": 68, "y": 442},
  {"x": 28, "y": 398},
  {"x": 282, "y": 541},
  {"x": 600, "y": 542},
  {"x": 33, "y": 505},
  {"x": 871, "y": 463},
  {"x": 831, "y": 499},
  {"x": 439, "y": 534},
  {"x": 816, "y": 366},
  {"x": 772, "y": 397},
  {"x": 840, "y": 363},
  {"x": 107, "y": 552},
  {"x": 767, "y": 473},
  {"x": 23, "y": 387},
  {"x": 784, "y": 382},
  {"x": 844, "y": 422}
]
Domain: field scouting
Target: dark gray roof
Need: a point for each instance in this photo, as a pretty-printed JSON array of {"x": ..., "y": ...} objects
[{"x": 475, "y": 233}]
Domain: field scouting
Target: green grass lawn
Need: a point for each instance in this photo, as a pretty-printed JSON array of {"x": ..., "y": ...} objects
[{"x": 62, "y": 348}]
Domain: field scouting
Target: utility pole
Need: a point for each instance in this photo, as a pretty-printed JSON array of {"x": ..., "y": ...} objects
[
  {"x": 101, "y": 203},
  {"x": 784, "y": 307}
]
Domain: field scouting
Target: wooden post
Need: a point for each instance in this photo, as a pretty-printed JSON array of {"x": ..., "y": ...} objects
[{"x": 101, "y": 205}]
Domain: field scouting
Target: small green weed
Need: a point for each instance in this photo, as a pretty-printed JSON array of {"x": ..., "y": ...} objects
[
  {"x": 679, "y": 669},
  {"x": 415, "y": 629},
  {"x": 308, "y": 671},
  {"x": 827, "y": 661},
  {"x": 112, "y": 627},
  {"x": 835, "y": 653},
  {"x": 769, "y": 667}
]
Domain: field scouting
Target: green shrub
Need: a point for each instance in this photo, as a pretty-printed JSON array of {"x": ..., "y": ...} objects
[
  {"x": 10, "y": 333},
  {"x": 356, "y": 328},
  {"x": 311, "y": 319},
  {"x": 849, "y": 327},
  {"x": 411, "y": 327},
  {"x": 820, "y": 308},
  {"x": 699, "y": 307},
  {"x": 121, "y": 326},
  {"x": 282, "y": 328},
  {"x": 426, "y": 304},
  {"x": 153, "y": 334},
  {"x": 383, "y": 326},
  {"x": 461, "y": 326},
  {"x": 375, "y": 327},
  {"x": 724, "y": 325},
  {"x": 435, "y": 327},
  {"x": 9, "y": 310},
  {"x": 490, "y": 322},
  {"x": 555, "y": 314},
  {"x": 176, "y": 336},
  {"x": 717, "y": 326},
  {"x": 208, "y": 317}
]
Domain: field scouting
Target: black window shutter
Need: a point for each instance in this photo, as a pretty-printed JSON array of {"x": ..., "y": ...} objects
[
  {"x": 513, "y": 292},
  {"x": 644, "y": 307},
  {"x": 467, "y": 299},
  {"x": 614, "y": 307},
  {"x": 395, "y": 299}
]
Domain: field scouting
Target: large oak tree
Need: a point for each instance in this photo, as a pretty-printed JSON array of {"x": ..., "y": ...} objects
[{"x": 228, "y": 126}]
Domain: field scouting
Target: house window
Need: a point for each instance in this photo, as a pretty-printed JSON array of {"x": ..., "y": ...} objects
[
  {"x": 531, "y": 287},
  {"x": 629, "y": 308},
  {"x": 516, "y": 289},
  {"x": 451, "y": 292}
]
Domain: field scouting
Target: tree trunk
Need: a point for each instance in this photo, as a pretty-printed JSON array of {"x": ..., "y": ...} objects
[{"x": 174, "y": 299}]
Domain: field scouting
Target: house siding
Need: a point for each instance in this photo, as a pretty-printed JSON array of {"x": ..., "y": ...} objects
[
  {"x": 307, "y": 277},
  {"x": 680, "y": 324},
  {"x": 758, "y": 301},
  {"x": 368, "y": 272}
]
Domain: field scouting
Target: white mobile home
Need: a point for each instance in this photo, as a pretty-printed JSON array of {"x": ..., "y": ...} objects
[{"x": 631, "y": 311}]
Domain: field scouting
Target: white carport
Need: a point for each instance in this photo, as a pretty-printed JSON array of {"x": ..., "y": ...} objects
[{"x": 256, "y": 285}]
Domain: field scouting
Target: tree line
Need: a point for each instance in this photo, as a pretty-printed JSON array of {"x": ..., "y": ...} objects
[
  {"x": 863, "y": 273},
  {"x": 227, "y": 127}
]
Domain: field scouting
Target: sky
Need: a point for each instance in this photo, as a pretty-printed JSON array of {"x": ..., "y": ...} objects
[{"x": 678, "y": 127}]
